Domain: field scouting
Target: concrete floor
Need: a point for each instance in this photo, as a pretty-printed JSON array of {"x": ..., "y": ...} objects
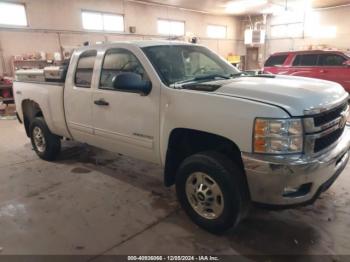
[{"x": 93, "y": 202}]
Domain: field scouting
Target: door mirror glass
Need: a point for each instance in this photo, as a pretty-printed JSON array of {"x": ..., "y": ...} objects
[{"x": 131, "y": 82}]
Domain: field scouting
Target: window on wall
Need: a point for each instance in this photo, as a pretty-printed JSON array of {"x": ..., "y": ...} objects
[
  {"x": 102, "y": 21},
  {"x": 12, "y": 14},
  {"x": 216, "y": 31},
  {"x": 278, "y": 31},
  {"x": 171, "y": 27},
  {"x": 287, "y": 30}
]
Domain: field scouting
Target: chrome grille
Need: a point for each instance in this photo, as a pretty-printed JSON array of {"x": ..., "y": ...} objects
[
  {"x": 327, "y": 140},
  {"x": 330, "y": 115},
  {"x": 324, "y": 130},
  {"x": 325, "y": 120}
]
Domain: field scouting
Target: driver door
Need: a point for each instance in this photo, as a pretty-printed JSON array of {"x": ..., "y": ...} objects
[{"x": 124, "y": 122}]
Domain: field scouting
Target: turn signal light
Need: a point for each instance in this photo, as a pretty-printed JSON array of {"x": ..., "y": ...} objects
[{"x": 278, "y": 136}]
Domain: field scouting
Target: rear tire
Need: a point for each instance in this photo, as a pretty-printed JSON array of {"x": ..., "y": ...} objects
[
  {"x": 46, "y": 145},
  {"x": 212, "y": 191}
]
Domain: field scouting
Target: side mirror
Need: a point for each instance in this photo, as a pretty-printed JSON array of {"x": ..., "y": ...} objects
[
  {"x": 132, "y": 82},
  {"x": 347, "y": 63}
]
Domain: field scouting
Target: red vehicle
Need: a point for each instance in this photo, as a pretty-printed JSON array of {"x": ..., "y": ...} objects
[{"x": 327, "y": 65}]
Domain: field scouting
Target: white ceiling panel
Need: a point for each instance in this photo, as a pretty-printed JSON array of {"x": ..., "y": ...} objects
[{"x": 242, "y": 7}]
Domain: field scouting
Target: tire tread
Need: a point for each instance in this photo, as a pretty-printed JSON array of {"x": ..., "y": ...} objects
[{"x": 53, "y": 142}]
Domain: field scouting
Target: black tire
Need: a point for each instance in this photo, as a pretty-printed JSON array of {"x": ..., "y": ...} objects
[
  {"x": 52, "y": 142},
  {"x": 229, "y": 177}
]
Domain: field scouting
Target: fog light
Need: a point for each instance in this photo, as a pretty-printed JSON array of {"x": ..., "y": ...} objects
[
  {"x": 300, "y": 191},
  {"x": 289, "y": 190}
]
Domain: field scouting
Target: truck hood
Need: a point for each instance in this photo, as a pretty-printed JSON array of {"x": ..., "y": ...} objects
[{"x": 294, "y": 94}]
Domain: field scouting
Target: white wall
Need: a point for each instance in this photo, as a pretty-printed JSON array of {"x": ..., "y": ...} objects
[
  {"x": 59, "y": 21},
  {"x": 315, "y": 24}
]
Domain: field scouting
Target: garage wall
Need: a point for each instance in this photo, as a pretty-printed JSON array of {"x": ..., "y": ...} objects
[
  {"x": 318, "y": 31},
  {"x": 58, "y": 23}
]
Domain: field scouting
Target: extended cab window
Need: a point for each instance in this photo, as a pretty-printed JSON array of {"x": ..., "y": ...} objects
[
  {"x": 306, "y": 60},
  {"x": 276, "y": 60},
  {"x": 85, "y": 68},
  {"x": 117, "y": 61},
  {"x": 331, "y": 60}
]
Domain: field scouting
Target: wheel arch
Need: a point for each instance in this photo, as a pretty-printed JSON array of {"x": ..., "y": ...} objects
[
  {"x": 184, "y": 142},
  {"x": 30, "y": 110}
]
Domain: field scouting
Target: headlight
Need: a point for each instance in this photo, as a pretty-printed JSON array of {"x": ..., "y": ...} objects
[{"x": 278, "y": 136}]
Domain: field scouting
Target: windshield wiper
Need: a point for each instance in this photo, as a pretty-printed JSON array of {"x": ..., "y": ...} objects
[
  {"x": 202, "y": 78},
  {"x": 206, "y": 77}
]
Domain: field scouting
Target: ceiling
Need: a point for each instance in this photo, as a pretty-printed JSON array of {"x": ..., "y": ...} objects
[
  {"x": 329, "y": 3},
  {"x": 243, "y": 7}
]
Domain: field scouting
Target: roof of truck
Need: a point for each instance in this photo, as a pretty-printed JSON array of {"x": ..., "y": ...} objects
[
  {"x": 140, "y": 43},
  {"x": 146, "y": 43}
]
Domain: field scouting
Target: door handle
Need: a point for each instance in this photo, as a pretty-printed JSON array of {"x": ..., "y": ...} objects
[
  {"x": 323, "y": 71},
  {"x": 101, "y": 102}
]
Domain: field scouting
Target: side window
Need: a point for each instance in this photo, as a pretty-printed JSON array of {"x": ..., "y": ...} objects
[
  {"x": 276, "y": 60},
  {"x": 331, "y": 60},
  {"x": 117, "y": 61},
  {"x": 85, "y": 68},
  {"x": 308, "y": 60}
]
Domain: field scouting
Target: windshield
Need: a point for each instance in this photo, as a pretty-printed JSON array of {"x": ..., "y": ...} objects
[{"x": 183, "y": 63}]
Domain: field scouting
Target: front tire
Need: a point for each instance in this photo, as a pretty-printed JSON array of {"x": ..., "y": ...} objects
[
  {"x": 46, "y": 145},
  {"x": 211, "y": 190}
]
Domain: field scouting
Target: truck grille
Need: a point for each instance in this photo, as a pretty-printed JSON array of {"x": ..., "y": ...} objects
[
  {"x": 330, "y": 115},
  {"x": 327, "y": 140},
  {"x": 324, "y": 130}
]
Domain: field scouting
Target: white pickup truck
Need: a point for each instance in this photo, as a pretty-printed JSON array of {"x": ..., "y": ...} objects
[{"x": 226, "y": 140}]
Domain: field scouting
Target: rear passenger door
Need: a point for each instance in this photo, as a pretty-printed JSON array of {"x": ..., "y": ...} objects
[
  {"x": 78, "y": 96},
  {"x": 305, "y": 65}
]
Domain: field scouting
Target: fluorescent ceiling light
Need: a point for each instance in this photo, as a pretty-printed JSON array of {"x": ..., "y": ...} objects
[
  {"x": 241, "y": 6},
  {"x": 273, "y": 9},
  {"x": 296, "y": 6},
  {"x": 302, "y": 6}
]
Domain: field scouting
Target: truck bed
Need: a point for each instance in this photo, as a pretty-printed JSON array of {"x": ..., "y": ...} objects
[{"x": 49, "y": 95}]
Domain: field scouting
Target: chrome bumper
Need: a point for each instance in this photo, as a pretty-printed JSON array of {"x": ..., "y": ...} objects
[{"x": 293, "y": 180}]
